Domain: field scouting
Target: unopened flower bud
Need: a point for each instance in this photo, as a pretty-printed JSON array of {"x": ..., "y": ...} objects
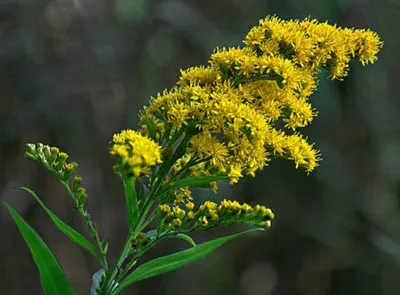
[
  {"x": 62, "y": 158},
  {"x": 30, "y": 156},
  {"x": 47, "y": 152},
  {"x": 39, "y": 148},
  {"x": 31, "y": 148},
  {"x": 133, "y": 241},
  {"x": 77, "y": 183},
  {"x": 54, "y": 153},
  {"x": 68, "y": 170},
  {"x": 80, "y": 196}
]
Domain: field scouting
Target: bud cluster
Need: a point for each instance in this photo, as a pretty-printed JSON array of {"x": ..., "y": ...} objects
[
  {"x": 56, "y": 161},
  {"x": 210, "y": 215}
]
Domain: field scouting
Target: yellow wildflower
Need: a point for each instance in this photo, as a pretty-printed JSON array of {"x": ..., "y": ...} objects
[
  {"x": 235, "y": 102},
  {"x": 179, "y": 212},
  {"x": 177, "y": 222},
  {"x": 190, "y": 215},
  {"x": 189, "y": 206},
  {"x": 164, "y": 208},
  {"x": 203, "y": 221},
  {"x": 135, "y": 151}
]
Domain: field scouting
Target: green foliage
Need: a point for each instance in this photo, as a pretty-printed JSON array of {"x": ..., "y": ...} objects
[
  {"x": 150, "y": 127},
  {"x": 75, "y": 236},
  {"x": 132, "y": 208},
  {"x": 174, "y": 261},
  {"x": 54, "y": 281},
  {"x": 186, "y": 238}
]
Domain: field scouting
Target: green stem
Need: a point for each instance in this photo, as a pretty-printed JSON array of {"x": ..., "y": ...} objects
[
  {"x": 92, "y": 228},
  {"x": 126, "y": 248},
  {"x": 135, "y": 259},
  {"x": 120, "y": 260},
  {"x": 150, "y": 219},
  {"x": 148, "y": 202},
  {"x": 127, "y": 269}
]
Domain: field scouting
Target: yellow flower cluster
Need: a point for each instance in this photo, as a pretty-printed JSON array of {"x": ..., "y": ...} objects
[
  {"x": 238, "y": 102},
  {"x": 210, "y": 214},
  {"x": 135, "y": 151},
  {"x": 312, "y": 45}
]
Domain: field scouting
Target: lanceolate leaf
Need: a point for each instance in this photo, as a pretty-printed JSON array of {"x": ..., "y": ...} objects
[
  {"x": 152, "y": 234},
  {"x": 173, "y": 261},
  {"x": 150, "y": 128},
  {"x": 132, "y": 208},
  {"x": 186, "y": 238},
  {"x": 53, "y": 279},
  {"x": 75, "y": 236}
]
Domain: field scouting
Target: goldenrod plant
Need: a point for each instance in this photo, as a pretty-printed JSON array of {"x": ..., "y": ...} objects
[{"x": 219, "y": 122}]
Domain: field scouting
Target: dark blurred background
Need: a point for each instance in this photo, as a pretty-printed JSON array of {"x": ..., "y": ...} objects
[{"x": 73, "y": 72}]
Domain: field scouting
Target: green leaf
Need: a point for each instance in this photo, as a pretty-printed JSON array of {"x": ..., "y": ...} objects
[
  {"x": 195, "y": 181},
  {"x": 53, "y": 279},
  {"x": 75, "y": 236},
  {"x": 186, "y": 238},
  {"x": 152, "y": 234},
  {"x": 173, "y": 261},
  {"x": 150, "y": 127},
  {"x": 132, "y": 207}
]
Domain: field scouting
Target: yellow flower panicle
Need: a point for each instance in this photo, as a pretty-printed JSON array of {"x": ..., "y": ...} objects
[
  {"x": 135, "y": 152},
  {"x": 180, "y": 214},
  {"x": 239, "y": 99},
  {"x": 210, "y": 214},
  {"x": 227, "y": 119},
  {"x": 312, "y": 45}
]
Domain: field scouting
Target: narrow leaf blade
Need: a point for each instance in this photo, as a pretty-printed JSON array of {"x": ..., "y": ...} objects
[
  {"x": 132, "y": 207},
  {"x": 186, "y": 238},
  {"x": 53, "y": 279},
  {"x": 150, "y": 128},
  {"x": 174, "y": 261},
  {"x": 71, "y": 233}
]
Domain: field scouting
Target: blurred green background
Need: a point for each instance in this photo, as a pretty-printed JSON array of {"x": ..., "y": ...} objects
[{"x": 73, "y": 72}]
